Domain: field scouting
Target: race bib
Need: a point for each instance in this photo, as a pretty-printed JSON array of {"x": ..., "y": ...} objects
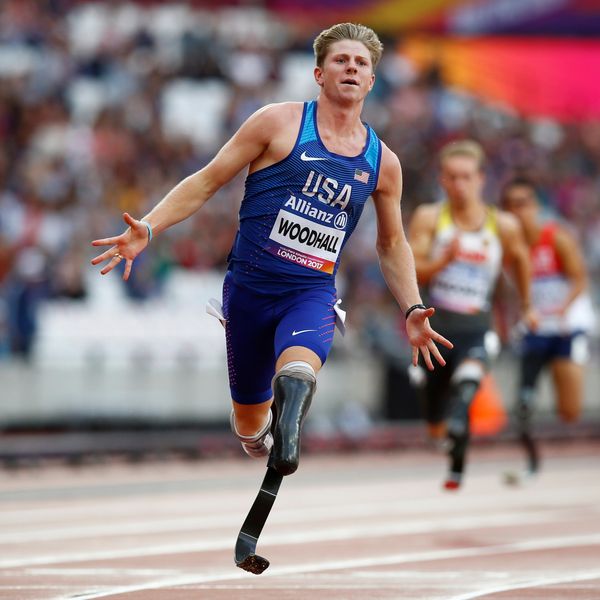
[
  {"x": 461, "y": 288},
  {"x": 306, "y": 243},
  {"x": 549, "y": 294}
]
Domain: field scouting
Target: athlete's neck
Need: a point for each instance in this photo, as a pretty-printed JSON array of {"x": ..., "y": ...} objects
[
  {"x": 340, "y": 127},
  {"x": 469, "y": 213}
]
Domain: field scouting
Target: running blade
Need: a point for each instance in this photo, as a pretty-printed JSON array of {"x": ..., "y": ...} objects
[{"x": 245, "y": 547}]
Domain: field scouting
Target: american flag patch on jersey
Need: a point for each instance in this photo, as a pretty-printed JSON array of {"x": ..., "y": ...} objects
[{"x": 361, "y": 176}]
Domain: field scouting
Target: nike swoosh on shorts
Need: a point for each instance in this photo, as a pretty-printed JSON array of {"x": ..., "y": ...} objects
[{"x": 302, "y": 331}]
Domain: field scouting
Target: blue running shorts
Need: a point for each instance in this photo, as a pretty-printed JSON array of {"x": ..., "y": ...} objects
[
  {"x": 572, "y": 346},
  {"x": 259, "y": 327}
]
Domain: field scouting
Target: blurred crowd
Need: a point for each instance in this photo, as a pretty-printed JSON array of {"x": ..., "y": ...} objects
[{"x": 95, "y": 119}]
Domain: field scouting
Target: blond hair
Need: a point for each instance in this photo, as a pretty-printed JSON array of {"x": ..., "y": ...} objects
[
  {"x": 469, "y": 148},
  {"x": 347, "y": 31}
]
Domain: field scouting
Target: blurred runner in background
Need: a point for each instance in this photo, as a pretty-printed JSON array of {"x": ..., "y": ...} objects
[
  {"x": 460, "y": 246},
  {"x": 565, "y": 312}
]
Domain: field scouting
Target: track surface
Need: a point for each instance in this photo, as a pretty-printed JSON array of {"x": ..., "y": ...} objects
[{"x": 344, "y": 527}]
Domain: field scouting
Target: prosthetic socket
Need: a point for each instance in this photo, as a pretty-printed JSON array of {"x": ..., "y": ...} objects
[{"x": 293, "y": 387}]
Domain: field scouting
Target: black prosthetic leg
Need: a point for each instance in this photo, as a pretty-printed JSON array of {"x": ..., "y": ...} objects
[
  {"x": 293, "y": 392},
  {"x": 532, "y": 365},
  {"x": 245, "y": 546},
  {"x": 293, "y": 396},
  {"x": 459, "y": 431},
  {"x": 523, "y": 422},
  {"x": 524, "y": 415}
]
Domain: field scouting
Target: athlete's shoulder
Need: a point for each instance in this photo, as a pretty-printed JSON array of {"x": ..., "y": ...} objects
[
  {"x": 270, "y": 122},
  {"x": 389, "y": 159},
  {"x": 427, "y": 214},
  {"x": 278, "y": 114},
  {"x": 507, "y": 223},
  {"x": 563, "y": 239},
  {"x": 510, "y": 233},
  {"x": 390, "y": 171},
  {"x": 561, "y": 231}
]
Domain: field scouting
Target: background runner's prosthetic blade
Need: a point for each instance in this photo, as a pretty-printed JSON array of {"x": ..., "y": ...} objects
[
  {"x": 531, "y": 453},
  {"x": 516, "y": 478},
  {"x": 245, "y": 547}
]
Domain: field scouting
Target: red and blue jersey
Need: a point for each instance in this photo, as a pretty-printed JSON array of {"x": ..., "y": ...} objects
[
  {"x": 549, "y": 286},
  {"x": 550, "y": 290},
  {"x": 297, "y": 214}
]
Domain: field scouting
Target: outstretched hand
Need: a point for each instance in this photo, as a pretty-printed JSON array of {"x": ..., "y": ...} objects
[
  {"x": 123, "y": 247},
  {"x": 423, "y": 338}
]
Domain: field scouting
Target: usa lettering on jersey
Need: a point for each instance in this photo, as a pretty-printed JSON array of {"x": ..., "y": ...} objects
[{"x": 326, "y": 190}]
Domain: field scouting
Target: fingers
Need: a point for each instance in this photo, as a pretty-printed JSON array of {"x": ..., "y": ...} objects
[
  {"x": 429, "y": 348},
  {"x": 129, "y": 220},
  {"x": 106, "y": 241},
  {"x": 127, "y": 271},
  {"x": 115, "y": 260},
  {"x": 110, "y": 253},
  {"x": 440, "y": 339},
  {"x": 426, "y": 357},
  {"x": 436, "y": 353}
]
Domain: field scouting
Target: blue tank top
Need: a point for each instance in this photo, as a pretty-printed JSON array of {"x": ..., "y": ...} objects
[{"x": 297, "y": 214}]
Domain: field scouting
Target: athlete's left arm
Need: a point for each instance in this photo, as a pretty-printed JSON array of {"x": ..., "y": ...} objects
[
  {"x": 516, "y": 255},
  {"x": 397, "y": 262},
  {"x": 572, "y": 263}
]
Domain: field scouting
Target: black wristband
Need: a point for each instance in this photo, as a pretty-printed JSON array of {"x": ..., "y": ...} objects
[{"x": 414, "y": 307}]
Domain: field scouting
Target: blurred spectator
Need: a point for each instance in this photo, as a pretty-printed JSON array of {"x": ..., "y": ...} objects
[{"x": 27, "y": 287}]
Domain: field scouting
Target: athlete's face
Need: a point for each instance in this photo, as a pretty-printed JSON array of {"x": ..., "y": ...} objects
[
  {"x": 347, "y": 71},
  {"x": 522, "y": 202},
  {"x": 461, "y": 178}
]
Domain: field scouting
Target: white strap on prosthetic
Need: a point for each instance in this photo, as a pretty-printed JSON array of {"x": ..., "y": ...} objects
[
  {"x": 297, "y": 368},
  {"x": 249, "y": 439}
]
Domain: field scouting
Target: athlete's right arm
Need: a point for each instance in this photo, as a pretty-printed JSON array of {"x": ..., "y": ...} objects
[
  {"x": 420, "y": 236},
  {"x": 249, "y": 142},
  {"x": 573, "y": 264}
]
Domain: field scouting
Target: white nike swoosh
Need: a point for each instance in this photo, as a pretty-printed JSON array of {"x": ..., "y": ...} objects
[
  {"x": 302, "y": 331},
  {"x": 303, "y": 156}
]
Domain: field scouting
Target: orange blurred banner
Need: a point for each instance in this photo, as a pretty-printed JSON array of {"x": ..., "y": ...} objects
[{"x": 548, "y": 77}]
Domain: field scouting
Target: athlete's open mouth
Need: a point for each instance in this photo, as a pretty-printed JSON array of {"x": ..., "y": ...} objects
[{"x": 350, "y": 81}]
